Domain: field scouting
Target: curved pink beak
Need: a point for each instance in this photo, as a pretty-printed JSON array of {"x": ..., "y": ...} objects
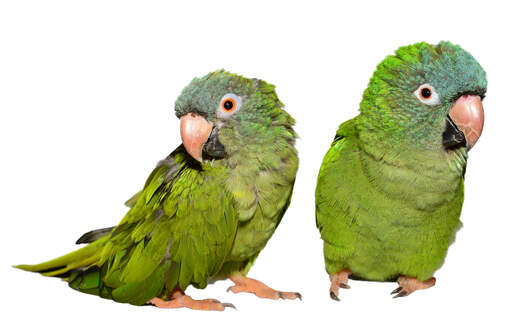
[
  {"x": 468, "y": 114},
  {"x": 195, "y": 131}
]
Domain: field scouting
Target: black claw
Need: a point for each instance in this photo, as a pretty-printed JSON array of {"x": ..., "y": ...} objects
[
  {"x": 334, "y": 296},
  {"x": 297, "y": 295},
  {"x": 229, "y": 289},
  {"x": 396, "y": 290},
  {"x": 401, "y": 294},
  {"x": 344, "y": 286},
  {"x": 229, "y": 305},
  {"x": 215, "y": 301}
]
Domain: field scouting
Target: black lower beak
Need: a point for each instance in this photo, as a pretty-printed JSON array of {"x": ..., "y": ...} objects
[
  {"x": 453, "y": 137},
  {"x": 213, "y": 148}
]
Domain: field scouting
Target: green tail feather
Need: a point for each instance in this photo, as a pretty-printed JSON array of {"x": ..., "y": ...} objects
[
  {"x": 82, "y": 258},
  {"x": 90, "y": 281},
  {"x": 82, "y": 272}
]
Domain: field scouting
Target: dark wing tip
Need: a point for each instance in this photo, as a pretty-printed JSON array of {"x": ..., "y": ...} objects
[{"x": 94, "y": 235}]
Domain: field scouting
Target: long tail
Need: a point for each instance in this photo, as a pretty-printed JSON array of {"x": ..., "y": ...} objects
[
  {"x": 85, "y": 271},
  {"x": 85, "y": 257}
]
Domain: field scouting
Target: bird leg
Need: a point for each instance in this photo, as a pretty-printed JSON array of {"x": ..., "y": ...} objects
[
  {"x": 179, "y": 300},
  {"x": 258, "y": 288},
  {"x": 339, "y": 280},
  {"x": 407, "y": 285}
]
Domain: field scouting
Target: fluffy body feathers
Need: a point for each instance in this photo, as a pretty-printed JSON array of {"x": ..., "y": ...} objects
[{"x": 193, "y": 221}]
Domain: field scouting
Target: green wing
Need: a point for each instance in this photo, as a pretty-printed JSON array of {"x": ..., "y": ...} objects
[
  {"x": 179, "y": 230},
  {"x": 263, "y": 188},
  {"x": 332, "y": 203},
  {"x": 327, "y": 184}
]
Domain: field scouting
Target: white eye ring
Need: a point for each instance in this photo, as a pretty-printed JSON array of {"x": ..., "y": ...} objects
[
  {"x": 427, "y": 95},
  {"x": 229, "y": 104}
]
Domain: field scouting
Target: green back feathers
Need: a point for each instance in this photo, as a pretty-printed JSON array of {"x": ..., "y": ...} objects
[
  {"x": 173, "y": 236},
  {"x": 193, "y": 220},
  {"x": 259, "y": 139}
]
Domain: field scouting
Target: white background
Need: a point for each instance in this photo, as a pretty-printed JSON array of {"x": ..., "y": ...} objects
[{"x": 87, "y": 93}]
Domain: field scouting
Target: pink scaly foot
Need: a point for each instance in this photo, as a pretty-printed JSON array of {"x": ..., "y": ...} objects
[
  {"x": 258, "y": 288},
  {"x": 180, "y": 300},
  {"x": 339, "y": 280},
  {"x": 408, "y": 285}
]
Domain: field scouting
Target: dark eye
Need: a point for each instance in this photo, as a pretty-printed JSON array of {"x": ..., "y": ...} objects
[
  {"x": 228, "y": 104},
  {"x": 426, "y": 93}
]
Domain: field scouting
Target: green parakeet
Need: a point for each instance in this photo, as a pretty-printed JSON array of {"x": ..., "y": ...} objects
[
  {"x": 205, "y": 212},
  {"x": 390, "y": 189}
]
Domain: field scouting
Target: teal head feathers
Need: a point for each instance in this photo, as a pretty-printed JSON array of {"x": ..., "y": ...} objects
[
  {"x": 428, "y": 95},
  {"x": 222, "y": 114}
]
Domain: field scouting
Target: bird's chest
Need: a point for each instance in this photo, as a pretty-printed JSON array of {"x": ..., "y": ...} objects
[
  {"x": 261, "y": 202},
  {"x": 420, "y": 182},
  {"x": 402, "y": 240}
]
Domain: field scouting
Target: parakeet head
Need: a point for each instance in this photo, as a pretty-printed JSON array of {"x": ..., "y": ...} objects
[
  {"x": 223, "y": 113},
  {"x": 429, "y": 95}
]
